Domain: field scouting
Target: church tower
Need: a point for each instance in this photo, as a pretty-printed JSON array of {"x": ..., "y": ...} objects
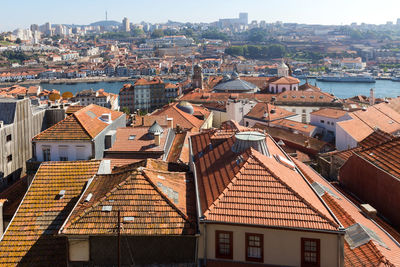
[
  {"x": 197, "y": 79},
  {"x": 283, "y": 70}
]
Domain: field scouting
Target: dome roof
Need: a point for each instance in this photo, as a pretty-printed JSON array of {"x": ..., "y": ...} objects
[
  {"x": 236, "y": 85},
  {"x": 185, "y": 107},
  {"x": 155, "y": 128}
]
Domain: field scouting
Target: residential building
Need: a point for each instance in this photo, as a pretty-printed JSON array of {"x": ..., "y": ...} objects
[
  {"x": 99, "y": 97},
  {"x": 144, "y": 95},
  {"x": 126, "y": 25},
  {"x": 325, "y": 119},
  {"x": 19, "y": 122},
  {"x": 187, "y": 116},
  {"x": 242, "y": 223},
  {"x": 53, "y": 193},
  {"x": 81, "y": 136},
  {"x": 267, "y": 114},
  {"x": 377, "y": 169},
  {"x": 155, "y": 209},
  {"x": 363, "y": 122}
]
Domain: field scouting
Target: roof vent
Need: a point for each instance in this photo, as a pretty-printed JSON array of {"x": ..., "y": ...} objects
[
  {"x": 60, "y": 194},
  {"x": 273, "y": 111},
  {"x": 106, "y": 117},
  {"x": 285, "y": 161},
  {"x": 106, "y": 208},
  {"x": 364, "y": 109},
  {"x": 358, "y": 235},
  {"x": 89, "y": 197},
  {"x": 245, "y": 140},
  {"x": 155, "y": 128}
]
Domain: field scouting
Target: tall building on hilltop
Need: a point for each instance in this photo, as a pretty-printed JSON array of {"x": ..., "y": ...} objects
[
  {"x": 197, "y": 79},
  {"x": 125, "y": 25},
  {"x": 244, "y": 18}
]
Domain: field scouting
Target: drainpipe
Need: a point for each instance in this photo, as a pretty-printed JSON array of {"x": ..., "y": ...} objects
[
  {"x": 205, "y": 244},
  {"x": 340, "y": 248}
]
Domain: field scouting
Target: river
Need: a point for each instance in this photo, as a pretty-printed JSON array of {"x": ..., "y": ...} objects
[{"x": 383, "y": 88}]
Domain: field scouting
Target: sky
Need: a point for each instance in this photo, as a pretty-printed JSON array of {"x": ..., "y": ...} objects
[{"x": 21, "y": 13}]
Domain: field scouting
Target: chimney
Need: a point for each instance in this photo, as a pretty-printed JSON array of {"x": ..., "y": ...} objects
[
  {"x": 368, "y": 210},
  {"x": 1, "y": 124},
  {"x": 170, "y": 123},
  {"x": 371, "y": 97},
  {"x": 157, "y": 139}
]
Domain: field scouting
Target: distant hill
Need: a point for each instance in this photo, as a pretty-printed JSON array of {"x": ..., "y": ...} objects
[{"x": 106, "y": 23}]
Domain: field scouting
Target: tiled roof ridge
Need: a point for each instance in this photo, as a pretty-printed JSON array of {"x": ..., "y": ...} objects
[
  {"x": 308, "y": 204},
  {"x": 385, "y": 113},
  {"x": 57, "y": 124},
  {"x": 172, "y": 205},
  {"x": 98, "y": 202},
  {"x": 80, "y": 123}
]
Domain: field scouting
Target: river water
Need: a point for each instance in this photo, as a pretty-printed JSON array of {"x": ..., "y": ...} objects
[{"x": 383, "y": 88}]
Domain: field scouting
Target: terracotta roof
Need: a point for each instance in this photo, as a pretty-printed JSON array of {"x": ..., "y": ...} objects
[
  {"x": 330, "y": 113},
  {"x": 294, "y": 126},
  {"x": 234, "y": 191},
  {"x": 67, "y": 129},
  {"x": 30, "y": 239},
  {"x": 286, "y": 80},
  {"x": 185, "y": 120},
  {"x": 73, "y": 109},
  {"x": 369, "y": 254},
  {"x": 308, "y": 87},
  {"x": 141, "y": 141},
  {"x": 14, "y": 195},
  {"x": 84, "y": 124},
  {"x": 268, "y": 112},
  {"x": 306, "y": 97},
  {"x": 157, "y": 202},
  {"x": 364, "y": 122}
]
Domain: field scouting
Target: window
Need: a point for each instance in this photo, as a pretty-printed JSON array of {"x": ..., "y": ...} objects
[
  {"x": 63, "y": 152},
  {"x": 9, "y": 158},
  {"x": 310, "y": 252},
  {"x": 322, "y": 121},
  {"x": 131, "y": 137},
  {"x": 223, "y": 244},
  {"x": 9, "y": 138},
  {"x": 254, "y": 247},
  {"x": 46, "y": 154}
]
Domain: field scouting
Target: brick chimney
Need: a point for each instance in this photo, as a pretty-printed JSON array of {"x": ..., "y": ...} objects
[
  {"x": 371, "y": 97},
  {"x": 170, "y": 123}
]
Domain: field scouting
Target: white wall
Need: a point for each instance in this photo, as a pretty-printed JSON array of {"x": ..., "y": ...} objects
[
  {"x": 329, "y": 124},
  {"x": 281, "y": 247},
  {"x": 75, "y": 150},
  {"x": 281, "y": 87},
  {"x": 219, "y": 117},
  {"x": 237, "y": 110},
  {"x": 303, "y": 111},
  {"x": 343, "y": 139}
]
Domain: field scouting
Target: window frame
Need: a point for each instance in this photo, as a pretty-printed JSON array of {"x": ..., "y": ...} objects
[
  {"x": 217, "y": 253},
  {"x": 261, "y": 236},
  {"x": 318, "y": 251}
]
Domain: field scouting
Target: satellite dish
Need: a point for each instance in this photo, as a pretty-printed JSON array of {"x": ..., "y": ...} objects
[
  {"x": 54, "y": 97},
  {"x": 67, "y": 95}
]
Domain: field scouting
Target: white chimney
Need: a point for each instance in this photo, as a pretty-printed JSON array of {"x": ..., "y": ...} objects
[
  {"x": 157, "y": 139},
  {"x": 170, "y": 122},
  {"x": 371, "y": 97}
]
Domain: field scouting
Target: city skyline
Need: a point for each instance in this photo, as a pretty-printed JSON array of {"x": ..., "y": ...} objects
[{"x": 308, "y": 12}]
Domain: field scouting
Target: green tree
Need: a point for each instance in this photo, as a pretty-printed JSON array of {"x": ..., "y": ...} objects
[
  {"x": 126, "y": 110},
  {"x": 157, "y": 33},
  {"x": 18, "y": 41},
  {"x": 257, "y": 35}
]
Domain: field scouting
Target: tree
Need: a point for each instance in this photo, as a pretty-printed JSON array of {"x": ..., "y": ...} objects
[
  {"x": 126, "y": 110},
  {"x": 18, "y": 41},
  {"x": 157, "y": 33},
  {"x": 257, "y": 35}
]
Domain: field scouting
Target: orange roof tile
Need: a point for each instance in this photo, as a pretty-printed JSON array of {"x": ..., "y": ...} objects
[
  {"x": 330, "y": 113},
  {"x": 143, "y": 195},
  {"x": 235, "y": 191},
  {"x": 268, "y": 112},
  {"x": 30, "y": 239}
]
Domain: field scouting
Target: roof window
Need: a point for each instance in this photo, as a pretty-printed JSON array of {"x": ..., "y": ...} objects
[
  {"x": 132, "y": 137},
  {"x": 358, "y": 235},
  {"x": 106, "y": 208},
  {"x": 89, "y": 197}
]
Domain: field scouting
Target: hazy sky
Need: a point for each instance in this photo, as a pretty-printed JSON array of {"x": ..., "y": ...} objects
[{"x": 21, "y": 13}]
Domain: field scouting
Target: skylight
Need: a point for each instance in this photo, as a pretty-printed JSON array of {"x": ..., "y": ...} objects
[
  {"x": 358, "y": 235},
  {"x": 132, "y": 137},
  {"x": 129, "y": 219},
  {"x": 322, "y": 189},
  {"x": 169, "y": 192}
]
